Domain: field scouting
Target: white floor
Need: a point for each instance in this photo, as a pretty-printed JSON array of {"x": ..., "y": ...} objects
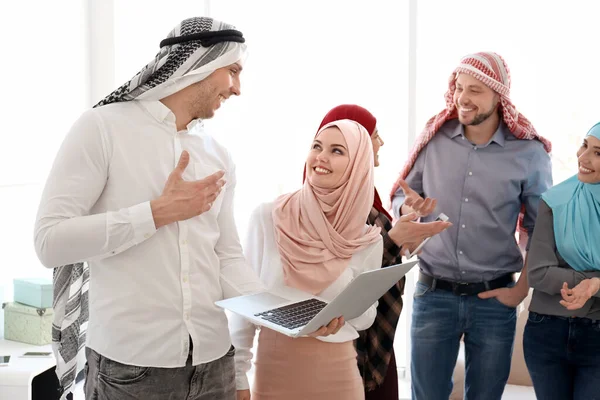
[
  {"x": 78, "y": 392},
  {"x": 403, "y": 389}
]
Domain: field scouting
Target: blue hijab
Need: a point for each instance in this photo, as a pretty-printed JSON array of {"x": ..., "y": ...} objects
[{"x": 576, "y": 209}]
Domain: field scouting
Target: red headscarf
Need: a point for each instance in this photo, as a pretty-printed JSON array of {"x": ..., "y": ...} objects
[{"x": 366, "y": 119}]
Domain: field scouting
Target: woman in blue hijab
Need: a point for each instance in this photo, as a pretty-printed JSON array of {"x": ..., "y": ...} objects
[{"x": 562, "y": 336}]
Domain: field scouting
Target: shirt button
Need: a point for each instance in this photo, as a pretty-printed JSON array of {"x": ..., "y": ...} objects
[
  {"x": 460, "y": 252},
  {"x": 464, "y": 226},
  {"x": 474, "y": 147},
  {"x": 470, "y": 173},
  {"x": 184, "y": 242},
  {"x": 466, "y": 200},
  {"x": 463, "y": 272},
  {"x": 185, "y": 279},
  {"x": 147, "y": 235}
]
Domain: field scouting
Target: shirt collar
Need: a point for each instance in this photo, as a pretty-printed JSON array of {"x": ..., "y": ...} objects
[
  {"x": 498, "y": 137},
  {"x": 163, "y": 114},
  {"x": 158, "y": 110}
]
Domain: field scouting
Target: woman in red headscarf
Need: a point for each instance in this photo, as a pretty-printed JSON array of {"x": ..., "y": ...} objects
[{"x": 375, "y": 346}]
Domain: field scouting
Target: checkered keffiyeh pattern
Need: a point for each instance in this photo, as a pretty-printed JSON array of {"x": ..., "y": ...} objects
[
  {"x": 374, "y": 346},
  {"x": 174, "y": 61}
]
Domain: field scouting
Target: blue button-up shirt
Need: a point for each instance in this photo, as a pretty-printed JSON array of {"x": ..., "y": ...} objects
[{"x": 481, "y": 189}]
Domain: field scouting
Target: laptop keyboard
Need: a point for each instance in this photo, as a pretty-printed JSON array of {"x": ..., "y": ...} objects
[{"x": 293, "y": 315}]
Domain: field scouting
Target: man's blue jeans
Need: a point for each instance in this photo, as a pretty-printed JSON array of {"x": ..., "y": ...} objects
[{"x": 440, "y": 319}]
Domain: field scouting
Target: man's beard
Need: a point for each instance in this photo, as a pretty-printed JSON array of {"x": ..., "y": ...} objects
[
  {"x": 202, "y": 107},
  {"x": 480, "y": 118}
]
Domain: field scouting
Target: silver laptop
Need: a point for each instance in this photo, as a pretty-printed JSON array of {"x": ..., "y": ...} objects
[{"x": 296, "y": 313}]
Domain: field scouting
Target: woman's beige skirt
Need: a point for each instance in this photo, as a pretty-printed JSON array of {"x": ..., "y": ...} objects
[{"x": 305, "y": 368}]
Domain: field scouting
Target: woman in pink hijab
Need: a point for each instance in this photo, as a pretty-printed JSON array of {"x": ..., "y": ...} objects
[
  {"x": 315, "y": 240},
  {"x": 375, "y": 347}
]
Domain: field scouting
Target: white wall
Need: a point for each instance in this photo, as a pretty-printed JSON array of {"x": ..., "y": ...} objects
[{"x": 43, "y": 67}]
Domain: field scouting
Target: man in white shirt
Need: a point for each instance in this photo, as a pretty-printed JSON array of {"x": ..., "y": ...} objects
[{"x": 142, "y": 194}]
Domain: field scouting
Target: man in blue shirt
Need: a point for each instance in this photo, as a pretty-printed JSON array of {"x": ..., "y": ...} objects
[{"x": 487, "y": 167}]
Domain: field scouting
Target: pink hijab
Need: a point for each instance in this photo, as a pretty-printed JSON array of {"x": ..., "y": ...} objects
[{"x": 319, "y": 229}]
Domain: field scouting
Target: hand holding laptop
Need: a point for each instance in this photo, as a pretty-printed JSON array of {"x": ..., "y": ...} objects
[
  {"x": 331, "y": 329},
  {"x": 296, "y": 313}
]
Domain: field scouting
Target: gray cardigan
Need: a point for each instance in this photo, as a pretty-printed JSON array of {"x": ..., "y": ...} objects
[{"x": 547, "y": 271}]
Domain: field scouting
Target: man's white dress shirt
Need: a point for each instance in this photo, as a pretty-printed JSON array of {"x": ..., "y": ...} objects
[{"x": 150, "y": 290}]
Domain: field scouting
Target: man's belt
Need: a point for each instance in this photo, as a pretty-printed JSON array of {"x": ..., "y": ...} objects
[{"x": 464, "y": 288}]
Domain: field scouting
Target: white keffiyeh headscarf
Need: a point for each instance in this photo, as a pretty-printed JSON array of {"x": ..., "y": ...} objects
[{"x": 192, "y": 51}]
